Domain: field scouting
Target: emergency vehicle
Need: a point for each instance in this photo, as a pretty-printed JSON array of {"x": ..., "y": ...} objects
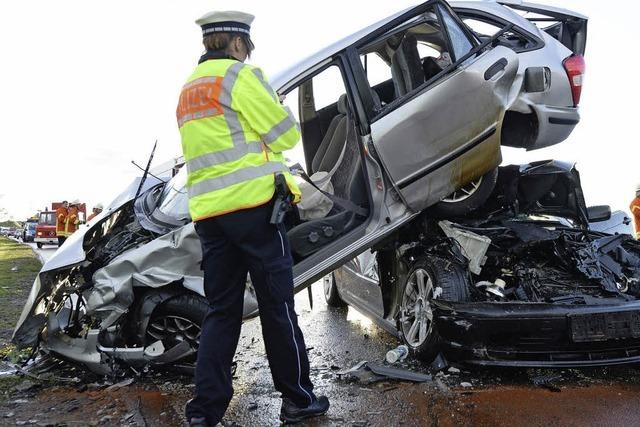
[{"x": 46, "y": 228}]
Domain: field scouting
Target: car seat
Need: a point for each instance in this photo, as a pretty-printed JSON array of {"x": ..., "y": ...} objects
[
  {"x": 348, "y": 183},
  {"x": 406, "y": 67}
]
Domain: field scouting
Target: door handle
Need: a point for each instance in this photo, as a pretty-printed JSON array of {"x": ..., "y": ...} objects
[{"x": 497, "y": 66}]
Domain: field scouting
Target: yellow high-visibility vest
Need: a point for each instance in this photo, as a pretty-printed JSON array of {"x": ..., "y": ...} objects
[{"x": 233, "y": 131}]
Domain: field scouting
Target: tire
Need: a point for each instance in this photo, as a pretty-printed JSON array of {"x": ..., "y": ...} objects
[
  {"x": 178, "y": 319},
  {"x": 468, "y": 198},
  {"x": 39, "y": 245},
  {"x": 415, "y": 315},
  {"x": 331, "y": 295}
]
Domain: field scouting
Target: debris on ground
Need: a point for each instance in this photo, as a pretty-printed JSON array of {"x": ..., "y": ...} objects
[
  {"x": 546, "y": 381},
  {"x": 367, "y": 373},
  {"x": 398, "y": 354},
  {"x": 466, "y": 384},
  {"x": 439, "y": 363},
  {"x": 121, "y": 384}
]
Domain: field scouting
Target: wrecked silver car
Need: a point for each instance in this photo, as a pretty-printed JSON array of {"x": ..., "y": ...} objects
[{"x": 525, "y": 280}]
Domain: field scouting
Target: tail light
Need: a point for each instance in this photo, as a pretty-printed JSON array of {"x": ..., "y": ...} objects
[{"x": 574, "y": 65}]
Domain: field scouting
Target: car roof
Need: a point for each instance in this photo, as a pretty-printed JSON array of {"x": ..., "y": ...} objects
[
  {"x": 500, "y": 11},
  {"x": 283, "y": 77}
]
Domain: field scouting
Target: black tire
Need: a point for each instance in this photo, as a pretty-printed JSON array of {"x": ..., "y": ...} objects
[
  {"x": 453, "y": 207},
  {"x": 39, "y": 245},
  {"x": 330, "y": 290},
  {"x": 454, "y": 282},
  {"x": 188, "y": 310}
]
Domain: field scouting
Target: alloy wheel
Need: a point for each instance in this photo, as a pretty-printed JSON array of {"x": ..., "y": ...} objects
[
  {"x": 416, "y": 315},
  {"x": 463, "y": 192},
  {"x": 174, "y": 329}
]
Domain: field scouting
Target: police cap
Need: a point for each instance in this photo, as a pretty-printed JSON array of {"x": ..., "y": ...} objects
[{"x": 225, "y": 22}]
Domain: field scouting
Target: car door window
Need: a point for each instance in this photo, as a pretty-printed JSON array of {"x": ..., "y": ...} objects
[
  {"x": 405, "y": 58},
  {"x": 460, "y": 43},
  {"x": 483, "y": 28}
]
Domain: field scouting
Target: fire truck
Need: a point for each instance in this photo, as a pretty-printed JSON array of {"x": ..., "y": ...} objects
[{"x": 46, "y": 227}]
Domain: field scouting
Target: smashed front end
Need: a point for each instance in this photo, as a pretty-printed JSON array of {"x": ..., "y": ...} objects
[
  {"x": 95, "y": 301},
  {"x": 547, "y": 290}
]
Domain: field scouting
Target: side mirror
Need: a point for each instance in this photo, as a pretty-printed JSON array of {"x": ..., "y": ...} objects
[{"x": 599, "y": 213}]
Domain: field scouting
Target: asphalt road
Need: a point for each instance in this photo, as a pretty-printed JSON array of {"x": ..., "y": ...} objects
[{"x": 45, "y": 253}]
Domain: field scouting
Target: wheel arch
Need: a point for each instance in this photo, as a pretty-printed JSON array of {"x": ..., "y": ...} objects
[{"x": 150, "y": 299}]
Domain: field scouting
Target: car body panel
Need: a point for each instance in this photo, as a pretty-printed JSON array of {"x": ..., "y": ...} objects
[
  {"x": 555, "y": 115},
  {"x": 430, "y": 147}
]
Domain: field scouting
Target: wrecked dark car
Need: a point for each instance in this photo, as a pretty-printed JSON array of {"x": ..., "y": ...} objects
[{"x": 522, "y": 281}]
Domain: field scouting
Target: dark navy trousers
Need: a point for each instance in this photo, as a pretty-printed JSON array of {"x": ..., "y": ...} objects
[{"x": 232, "y": 245}]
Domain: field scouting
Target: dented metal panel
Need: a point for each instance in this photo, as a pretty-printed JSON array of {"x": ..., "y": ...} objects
[{"x": 448, "y": 134}]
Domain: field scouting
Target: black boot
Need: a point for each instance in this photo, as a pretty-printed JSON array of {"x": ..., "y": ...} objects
[{"x": 290, "y": 413}]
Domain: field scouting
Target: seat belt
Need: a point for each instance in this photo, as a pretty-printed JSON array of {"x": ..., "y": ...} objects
[{"x": 343, "y": 203}]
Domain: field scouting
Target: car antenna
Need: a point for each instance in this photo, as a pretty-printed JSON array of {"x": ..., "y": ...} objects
[
  {"x": 142, "y": 169},
  {"x": 146, "y": 170}
]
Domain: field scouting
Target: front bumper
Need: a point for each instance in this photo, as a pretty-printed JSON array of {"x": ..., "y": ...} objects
[
  {"x": 539, "y": 334},
  {"x": 46, "y": 240}
]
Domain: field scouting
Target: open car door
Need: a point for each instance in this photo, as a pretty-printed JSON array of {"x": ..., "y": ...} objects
[
  {"x": 445, "y": 132},
  {"x": 569, "y": 28}
]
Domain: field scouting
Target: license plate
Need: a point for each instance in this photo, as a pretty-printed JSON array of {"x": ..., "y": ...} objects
[{"x": 605, "y": 326}]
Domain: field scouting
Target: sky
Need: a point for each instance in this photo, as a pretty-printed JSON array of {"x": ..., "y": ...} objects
[{"x": 88, "y": 86}]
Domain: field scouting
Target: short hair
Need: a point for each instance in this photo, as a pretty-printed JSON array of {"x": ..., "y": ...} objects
[{"x": 221, "y": 41}]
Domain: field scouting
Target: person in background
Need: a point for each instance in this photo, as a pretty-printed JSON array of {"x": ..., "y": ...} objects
[
  {"x": 635, "y": 211},
  {"x": 96, "y": 210},
  {"x": 73, "y": 218},
  {"x": 61, "y": 222}
]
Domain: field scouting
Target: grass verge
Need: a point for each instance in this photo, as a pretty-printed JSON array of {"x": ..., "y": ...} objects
[{"x": 19, "y": 266}]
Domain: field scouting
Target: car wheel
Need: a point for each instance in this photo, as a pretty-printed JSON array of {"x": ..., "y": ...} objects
[
  {"x": 331, "y": 295},
  {"x": 467, "y": 198},
  {"x": 428, "y": 277},
  {"x": 39, "y": 245},
  {"x": 176, "y": 320}
]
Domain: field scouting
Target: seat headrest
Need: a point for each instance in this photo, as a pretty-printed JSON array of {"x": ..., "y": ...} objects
[{"x": 342, "y": 104}]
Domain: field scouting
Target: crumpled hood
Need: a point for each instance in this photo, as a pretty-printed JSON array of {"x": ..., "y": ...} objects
[{"x": 71, "y": 253}]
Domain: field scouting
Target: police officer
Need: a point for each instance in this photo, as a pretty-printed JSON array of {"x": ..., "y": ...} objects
[{"x": 234, "y": 131}]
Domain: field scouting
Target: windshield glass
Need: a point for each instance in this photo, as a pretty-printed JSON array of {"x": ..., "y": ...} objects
[
  {"x": 174, "y": 200},
  {"x": 47, "y": 218}
]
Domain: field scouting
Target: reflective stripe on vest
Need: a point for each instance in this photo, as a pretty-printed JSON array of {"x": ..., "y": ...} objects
[
  {"x": 229, "y": 80},
  {"x": 224, "y": 156},
  {"x": 267, "y": 86},
  {"x": 278, "y": 130},
  {"x": 236, "y": 177}
]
